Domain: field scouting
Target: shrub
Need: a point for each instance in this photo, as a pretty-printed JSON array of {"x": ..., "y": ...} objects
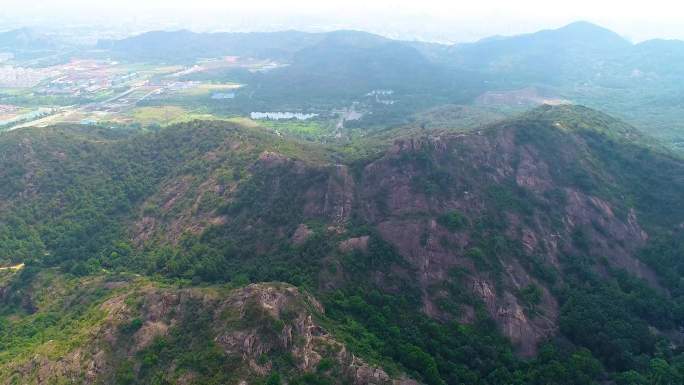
[{"x": 452, "y": 220}]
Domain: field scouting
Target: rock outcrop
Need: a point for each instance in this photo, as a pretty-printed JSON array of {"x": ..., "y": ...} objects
[{"x": 251, "y": 324}]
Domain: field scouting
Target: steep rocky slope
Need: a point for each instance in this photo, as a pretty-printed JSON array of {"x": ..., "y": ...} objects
[
  {"x": 506, "y": 205},
  {"x": 439, "y": 257},
  {"x": 132, "y": 329}
]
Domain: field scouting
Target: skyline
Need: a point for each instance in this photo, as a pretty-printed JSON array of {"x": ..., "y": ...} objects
[{"x": 430, "y": 20}]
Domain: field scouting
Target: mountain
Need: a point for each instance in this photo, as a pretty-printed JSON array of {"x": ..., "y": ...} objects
[
  {"x": 582, "y": 63},
  {"x": 184, "y": 46},
  {"x": 661, "y": 57},
  {"x": 131, "y": 330},
  {"x": 579, "y": 53},
  {"x": 25, "y": 39},
  {"x": 577, "y": 50},
  {"x": 586, "y": 64},
  {"x": 346, "y": 65},
  {"x": 318, "y": 71},
  {"x": 539, "y": 249}
]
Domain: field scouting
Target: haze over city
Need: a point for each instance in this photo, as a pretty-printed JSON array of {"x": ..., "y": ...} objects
[{"x": 430, "y": 20}]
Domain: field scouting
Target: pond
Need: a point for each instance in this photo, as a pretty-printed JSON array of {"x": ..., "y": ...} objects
[{"x": 281, "y": 115}]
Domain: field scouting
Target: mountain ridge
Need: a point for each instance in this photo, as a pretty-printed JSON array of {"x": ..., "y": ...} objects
[{"x": 444, "y": 248}]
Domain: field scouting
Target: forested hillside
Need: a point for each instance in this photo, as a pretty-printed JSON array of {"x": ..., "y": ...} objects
[{"x": 542, "y": 249}]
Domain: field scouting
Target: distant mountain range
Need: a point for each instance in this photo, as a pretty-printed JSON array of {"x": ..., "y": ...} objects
[
  {"x": 536, "y": 54},
  {"x": 581, "y": 63},
  {"x": 578, "y": 52},
  {"x": 185, "y": 45}
]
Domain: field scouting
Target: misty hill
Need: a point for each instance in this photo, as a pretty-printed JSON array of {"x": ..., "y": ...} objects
[
  {"x": 579, "y": 53},
  {"x": 589, "y": 65},
  {"x": 346, "y": 65},
  {"x": 576, "y": 50},
  {"x": 183, "y": 46},
  {"x": 328, "y": 69},
  {"x": 581, "y": 62},
  {"x": 445, "y": 256},
  {"x": 318, "y": 72},
  {"x": 660, "y": 57},
  {"x": 25, "y": 39}
]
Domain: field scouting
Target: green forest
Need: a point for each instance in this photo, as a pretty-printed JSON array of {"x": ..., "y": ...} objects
[{"x": 73, "y": 195}]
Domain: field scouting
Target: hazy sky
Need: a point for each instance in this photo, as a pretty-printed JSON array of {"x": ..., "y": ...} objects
[{"x": 442, "y": 20}]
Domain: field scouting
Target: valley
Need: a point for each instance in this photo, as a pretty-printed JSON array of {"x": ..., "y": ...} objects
[{"x": 225, "y": 76}]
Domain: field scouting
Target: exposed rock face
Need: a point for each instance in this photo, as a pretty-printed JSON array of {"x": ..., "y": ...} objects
[
  {"x": 474, "y": 164},
  {"x": 513, "y": 188},
  {"x": 178, "y": 210},
  {"x": 339, "y": 195},
  {"x": 248, "y": 324},
  {"x": 355, "y": 244},
  {"x": 272, "y": 158},
  {"x": 301, "y": 235},
  {"x": 532, "y": 173},
  {"x": 434, "y": 250}
]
